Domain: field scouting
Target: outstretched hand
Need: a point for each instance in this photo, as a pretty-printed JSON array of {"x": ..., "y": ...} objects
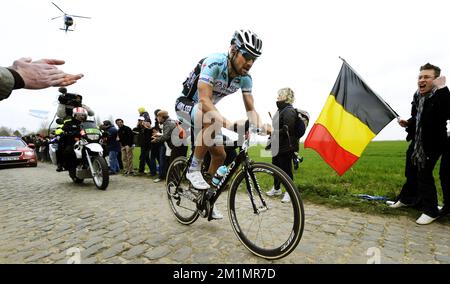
[{"x": 43, "y": 73}]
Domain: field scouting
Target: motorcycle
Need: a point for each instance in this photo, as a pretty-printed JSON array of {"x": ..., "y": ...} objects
[{"x": 89, "y": 154}]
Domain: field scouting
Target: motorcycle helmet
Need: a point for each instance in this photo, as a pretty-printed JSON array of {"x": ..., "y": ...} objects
[{"x": 80, "y": 112}]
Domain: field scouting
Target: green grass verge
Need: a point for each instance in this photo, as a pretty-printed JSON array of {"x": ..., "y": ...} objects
[{"x": 379, "y": 172}]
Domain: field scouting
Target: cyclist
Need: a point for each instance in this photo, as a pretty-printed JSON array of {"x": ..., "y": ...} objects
[{"x": 215, "y": 77}]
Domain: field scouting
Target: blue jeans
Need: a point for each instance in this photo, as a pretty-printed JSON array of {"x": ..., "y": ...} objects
[
  {"x": 113, "y": 162},
  {"x": 158, "y": 153},
  {"x": 162, "y": 162},
  {"x": 154, "y": 156}
]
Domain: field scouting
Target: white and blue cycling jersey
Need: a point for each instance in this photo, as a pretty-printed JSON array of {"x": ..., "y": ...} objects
[{"x": 213, "y": 71}]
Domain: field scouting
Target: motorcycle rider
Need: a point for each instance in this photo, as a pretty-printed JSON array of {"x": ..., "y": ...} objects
[
  {"x": 67, "y": 102},
  {"x": 71, "y": 130}
]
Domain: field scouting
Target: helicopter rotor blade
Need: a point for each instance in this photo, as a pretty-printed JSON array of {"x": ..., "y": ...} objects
[
  {"x": 80, "y": 16},
  {"x": 56, "y": 17},
  {"x": 59, "y": 8}
]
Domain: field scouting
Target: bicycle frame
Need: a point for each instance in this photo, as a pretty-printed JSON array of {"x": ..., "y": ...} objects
[{"x": 241, "y": 158}]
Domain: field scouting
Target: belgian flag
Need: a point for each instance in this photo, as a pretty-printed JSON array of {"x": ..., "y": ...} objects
[{"x": 352, "y": 116}]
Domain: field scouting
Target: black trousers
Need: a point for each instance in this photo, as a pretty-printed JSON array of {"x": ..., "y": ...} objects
[
  {"x": 176, "y": 152},
  {"x": 144, "y": 158},
  {"x": 70, "y": 159},
  {"x": 427, "y": 187},
  {"x": 419, "y": 190},
  {"x": 444, "y": 173},
  {"x": 283, "y": 161},
  {"x": 409, "y": 194}
]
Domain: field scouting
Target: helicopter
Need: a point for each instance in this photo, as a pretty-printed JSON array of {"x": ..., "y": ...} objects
[{"x": 68, "y": 19}]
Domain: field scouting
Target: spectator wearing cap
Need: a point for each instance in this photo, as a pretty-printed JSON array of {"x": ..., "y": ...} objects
[
  {"x": 174, "y": 146},
  {"x": 144, "y": 137},
  {"x": 113, "y": 146},
  {"x": 143, "y": 113}
]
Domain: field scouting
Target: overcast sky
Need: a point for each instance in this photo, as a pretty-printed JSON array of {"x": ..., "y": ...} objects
[{"x": 137, "y": 53}]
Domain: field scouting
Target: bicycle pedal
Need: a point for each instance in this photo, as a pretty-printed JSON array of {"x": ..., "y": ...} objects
[
  {"x": 192, "y": 188},
  {"x": 263, "y": 208}
]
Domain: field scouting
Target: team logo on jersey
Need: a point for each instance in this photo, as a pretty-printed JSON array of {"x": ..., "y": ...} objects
[
  {"x": 214, "y": 64},
  {"x": 208, "y": 80}
]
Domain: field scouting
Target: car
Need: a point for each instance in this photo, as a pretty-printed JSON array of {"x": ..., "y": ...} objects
[{"x": 14, "y": 151}]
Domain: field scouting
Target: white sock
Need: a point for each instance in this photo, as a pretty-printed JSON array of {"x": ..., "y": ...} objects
[{"x": 196, "y": 165}]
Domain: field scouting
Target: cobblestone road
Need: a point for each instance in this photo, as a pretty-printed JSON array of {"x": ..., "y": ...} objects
[{"x": 44, "y": 218}]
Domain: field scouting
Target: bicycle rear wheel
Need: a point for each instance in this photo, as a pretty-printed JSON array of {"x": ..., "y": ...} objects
[
  {"x": 276, "y": 229},
  {"x": 181, "y": 199}
]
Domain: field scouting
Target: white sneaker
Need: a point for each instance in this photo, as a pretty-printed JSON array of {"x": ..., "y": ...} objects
[
  {"x": 274, "y": 192},
  {"x": 156, "y": 180},
  {"x": 424, "y": 219},
  {"x": 286, "y": 198},
  {"x": 216, "y": 213},
  {"x": 197, "y": 180},
  {"x": 397, "y": 204}
]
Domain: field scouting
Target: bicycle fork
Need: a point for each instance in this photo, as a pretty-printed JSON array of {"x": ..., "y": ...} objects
[{"x": 250, "y": 180}]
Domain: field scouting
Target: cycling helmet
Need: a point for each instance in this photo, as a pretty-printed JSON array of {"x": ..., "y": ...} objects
[
  {"x": 79, "y": 111},
  {"x": 248, "y": 41}
]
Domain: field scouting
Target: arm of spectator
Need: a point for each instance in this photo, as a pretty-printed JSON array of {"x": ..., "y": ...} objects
[
  {"x": 28, "y": 74},
  {"x": 43, "y": 73},
  {"x": 167, "y": 133},
  {"x": 402, "y": 122},
  {"x": 6, "y": 83}
]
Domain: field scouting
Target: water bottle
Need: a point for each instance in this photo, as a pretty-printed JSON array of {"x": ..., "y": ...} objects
[{"x": 220, "y": 173}]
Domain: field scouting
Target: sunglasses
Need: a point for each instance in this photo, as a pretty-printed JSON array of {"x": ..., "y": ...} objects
[{"x": 247, "y": 55}]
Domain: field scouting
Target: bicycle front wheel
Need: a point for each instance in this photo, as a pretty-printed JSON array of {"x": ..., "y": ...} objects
[
  {"x": 181, "y": 198},
  {"x": 275, "y": 229}
]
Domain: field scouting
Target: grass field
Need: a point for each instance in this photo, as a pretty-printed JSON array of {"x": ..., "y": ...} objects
[{"x": 379, "y": 172}]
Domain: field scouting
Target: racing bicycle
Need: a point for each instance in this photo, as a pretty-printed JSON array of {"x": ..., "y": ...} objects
[{"x": 266, "y": 226}]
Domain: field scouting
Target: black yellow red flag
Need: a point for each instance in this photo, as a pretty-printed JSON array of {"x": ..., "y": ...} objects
[{"x": 352, "y": 116}]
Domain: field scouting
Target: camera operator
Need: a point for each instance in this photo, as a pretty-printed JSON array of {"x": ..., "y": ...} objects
[{"x": 67, "y": 102}]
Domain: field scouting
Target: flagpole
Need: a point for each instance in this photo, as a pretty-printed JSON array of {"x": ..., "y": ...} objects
[{"x": 359, "y": 76}]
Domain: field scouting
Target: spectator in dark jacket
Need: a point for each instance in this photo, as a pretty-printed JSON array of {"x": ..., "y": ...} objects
[
  {"x": 126, "y": 146},
  {"x": 113, "y": 146},
  {"x": 444, "y": 175},
  {"x": 144, "y": 140},
  {"x": 157, "y": 154},
  {"x": 427, "y": 130},
  {"x": 284, "y": 138}
]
